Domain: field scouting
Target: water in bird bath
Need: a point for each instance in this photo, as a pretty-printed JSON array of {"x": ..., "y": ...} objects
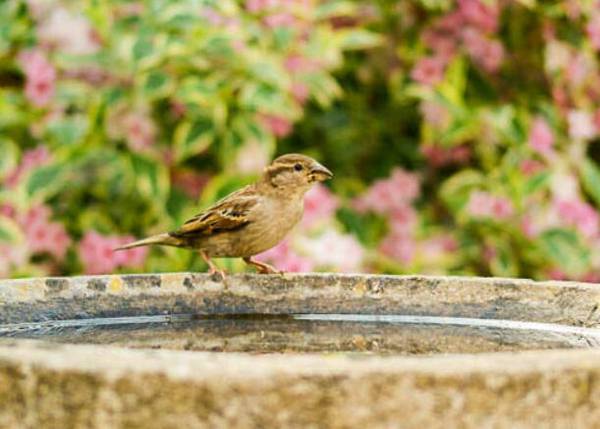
[{"x": 315, "y": 333}]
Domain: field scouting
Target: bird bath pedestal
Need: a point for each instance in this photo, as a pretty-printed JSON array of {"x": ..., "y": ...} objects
[{"x": 316, "y": 350}]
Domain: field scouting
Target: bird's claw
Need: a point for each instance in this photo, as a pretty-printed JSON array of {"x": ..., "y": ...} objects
[
  {"x": 269, "y": 270},
  {"x": 215, "y": 272}
]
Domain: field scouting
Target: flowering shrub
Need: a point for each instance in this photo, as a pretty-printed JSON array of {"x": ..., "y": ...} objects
[
  {"x": 466, "y": 142},
  {"x": 114, "y": 116},
  {"x": 462, "y": 133}
]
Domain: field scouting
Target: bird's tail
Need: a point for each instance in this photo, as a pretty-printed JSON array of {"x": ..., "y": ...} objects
[{"x": 162, "y": 239}]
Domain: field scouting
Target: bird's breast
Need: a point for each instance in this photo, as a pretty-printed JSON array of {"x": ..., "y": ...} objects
[{"x": 269, "y": 223}]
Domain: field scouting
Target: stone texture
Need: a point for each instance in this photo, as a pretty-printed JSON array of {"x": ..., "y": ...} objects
[
  {"x": 53, "y": 386},
  {"x": 30, "y": 300},
  {"x": 45, "y": 385}
]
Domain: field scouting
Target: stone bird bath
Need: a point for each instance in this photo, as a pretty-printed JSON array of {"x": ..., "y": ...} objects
[{"x": 314, "y": 350}]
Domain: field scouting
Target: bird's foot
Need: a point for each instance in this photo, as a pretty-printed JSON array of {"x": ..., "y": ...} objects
[
  {"x": 216, "y": 272},
  {"x": 268, "y": 269},
  {"x": 263, "y": 268}
]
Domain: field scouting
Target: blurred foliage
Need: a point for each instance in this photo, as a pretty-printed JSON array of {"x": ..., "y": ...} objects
[{"x": 148, "y": 110}]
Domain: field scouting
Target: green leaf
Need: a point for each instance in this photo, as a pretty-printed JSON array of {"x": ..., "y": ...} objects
[
  {"x": 8, "y": 159},
  {"x": 261, "y": 97},
  {"x": 536, "y": 182},
  {"x": 151, "y": 178},
  {"x": 565, "y": 250},
  {"x": 504, "y": 262},
  {"x": 590, "y": 178},
  {"x": 142, "y": 48},
  {"x": 9, "y": 231},
  {"x": 157, "y": 84},
  {"x": 455, "y": 81},
  {"x": 69, "y": 131},
  {"x": 330, "y": 9},
  {"x": 193, "y": 137},
  {"x": 456, "y": 191},
  {"x": 359, "y": 39},
  {"x": 46, "y": 181}
]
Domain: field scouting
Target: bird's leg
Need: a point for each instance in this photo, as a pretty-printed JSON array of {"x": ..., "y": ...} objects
[
  {"x": 262, "y": 267},
  {"x": 212, "y": 268}
]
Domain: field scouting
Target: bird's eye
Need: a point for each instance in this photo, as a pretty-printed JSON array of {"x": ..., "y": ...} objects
[{"x": 298, "y": 167}]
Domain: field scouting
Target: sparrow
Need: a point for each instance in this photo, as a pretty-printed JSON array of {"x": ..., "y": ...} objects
[{"x": 251, "y": 220}]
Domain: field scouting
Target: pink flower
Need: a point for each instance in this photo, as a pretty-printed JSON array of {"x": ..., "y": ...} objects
[
  {"x": 252, "y": 157},
  {"x": 434, "y": 113},
  {"x": 300, "y": 64},
  {"x": 439, "y": 156},
  {"x": 140, "y": 131},
  {"x": 489, "y": 253},
  {"x": 437, "y": 247},
  {"x": 42, "y": 235},
  {"x": 479, "y": 14},
  {"x": 579, "y": 214},
  {"x": 284, "y": 258},
  {"x": 30, "y": 160},
  {"x": 428, "y": 70},
  {"x": 189, "y": 181},
  {"x": 460, "y": 154},
  {"x": 212, "y": 16},
  {"x": 131, "y": 258},
  {"x": 403, "y": 219},
  {"x": 557, "y": 274},
  {"x": 399, "y": 246},
  {"x": 528, "y": 227},
  {"x": 70, "y": 33},
  {"x": 593, "y": 31},
  {"x": 529, "y": 167},
  {"x": 98, "y": 256},
  {"x": 572, "y": 8},
  {"x": 560, "y": 98},
  {"x": 254, "y": 6},
  {"x": 334, "y": 251},
  {"x": 386, "y": 195},
  {"x": 581, "y": 125},
  {"x": 319, "y": 204},
  {"x": 486, "y": 52},
  {"x": 8, "y": 210},
  {"x": 407, "y": 187},
  {"x": 440, "y": 42},
  {"x": 578, "y": 69},
  {"x": 278, "y": 125},
  {"x": 294, "y": 263},
  {"x": 282, "y": 19},
  {"x": 178, "y": 109},
  {"x": 40, "y": 77},
  {"x": 541, "y": 138},
  {"x": 12, "y": 256},
  {"x": 485, "y": 205},
  {"x": 300, "y": 92}
]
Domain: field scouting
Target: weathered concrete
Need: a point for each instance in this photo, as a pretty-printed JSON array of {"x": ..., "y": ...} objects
[
  {"x": 29, "y": 300},
  {"x": 50, "y": 385},
  {"x": 54, "y": 386}
]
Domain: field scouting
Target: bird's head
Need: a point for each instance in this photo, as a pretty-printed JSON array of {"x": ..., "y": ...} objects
[{"x": 295, "y": 172}]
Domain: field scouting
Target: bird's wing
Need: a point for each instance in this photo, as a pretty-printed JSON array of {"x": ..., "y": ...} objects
[{"x": 230, "y": 213}]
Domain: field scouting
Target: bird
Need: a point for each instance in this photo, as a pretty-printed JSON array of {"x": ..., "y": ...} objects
[{"x": 250, "y": 220}]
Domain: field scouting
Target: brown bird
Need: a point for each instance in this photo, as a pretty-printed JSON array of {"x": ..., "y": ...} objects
[{"x": 251, "y": 220}]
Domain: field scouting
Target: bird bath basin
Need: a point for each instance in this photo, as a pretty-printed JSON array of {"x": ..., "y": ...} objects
[
  {"x": 310, "y": 333},
  {"x": 298, "y": 350}
]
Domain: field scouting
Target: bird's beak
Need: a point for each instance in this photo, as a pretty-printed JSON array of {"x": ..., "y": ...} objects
[{"x": 320, "y": 173}]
